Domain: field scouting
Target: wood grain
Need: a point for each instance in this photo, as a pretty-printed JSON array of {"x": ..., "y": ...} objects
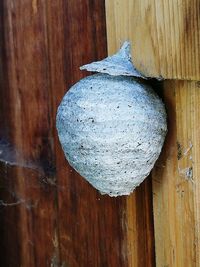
[
  {"x": 27, "y": 168},
  {"x": 49, "y": 215},
  {"x": 166, "y": 42},
  {"x": 140, "y": 229},
  {"x": 164, "y": 34},
  {"x": 176, "y": 186}
]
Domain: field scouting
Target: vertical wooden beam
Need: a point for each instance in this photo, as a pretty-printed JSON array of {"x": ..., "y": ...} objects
[{"x": 176, "y": 186}]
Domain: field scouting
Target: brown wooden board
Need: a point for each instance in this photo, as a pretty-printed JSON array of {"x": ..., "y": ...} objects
[{"x": 28, "y": 210}]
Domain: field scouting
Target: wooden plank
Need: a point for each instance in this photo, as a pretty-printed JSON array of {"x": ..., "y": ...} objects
[
  {"x": 164, "y": 34},
  {"x": 176, "y": 186},
  {"x": 28, "y": 199}
]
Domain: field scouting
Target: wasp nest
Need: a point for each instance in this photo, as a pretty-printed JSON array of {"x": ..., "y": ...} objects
[{"x": 112, "y": 126}]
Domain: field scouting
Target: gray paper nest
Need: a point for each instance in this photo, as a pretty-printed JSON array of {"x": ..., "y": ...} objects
[{"x": 112, "y": 126}]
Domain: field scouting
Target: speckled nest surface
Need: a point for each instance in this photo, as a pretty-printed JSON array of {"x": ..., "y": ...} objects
[
  {"x": 112, "y": 126},
  {"x": 112, "y": 130}
]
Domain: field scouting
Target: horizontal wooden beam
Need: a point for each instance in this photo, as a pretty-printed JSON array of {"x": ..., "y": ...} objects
[{"x": 165, "y": 35}]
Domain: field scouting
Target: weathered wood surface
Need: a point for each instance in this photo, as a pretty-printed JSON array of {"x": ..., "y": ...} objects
[
  {"x": 165, "y": 35},
  {"x": 49, "y": 215},
  {"x": 176, "y": 186}
]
